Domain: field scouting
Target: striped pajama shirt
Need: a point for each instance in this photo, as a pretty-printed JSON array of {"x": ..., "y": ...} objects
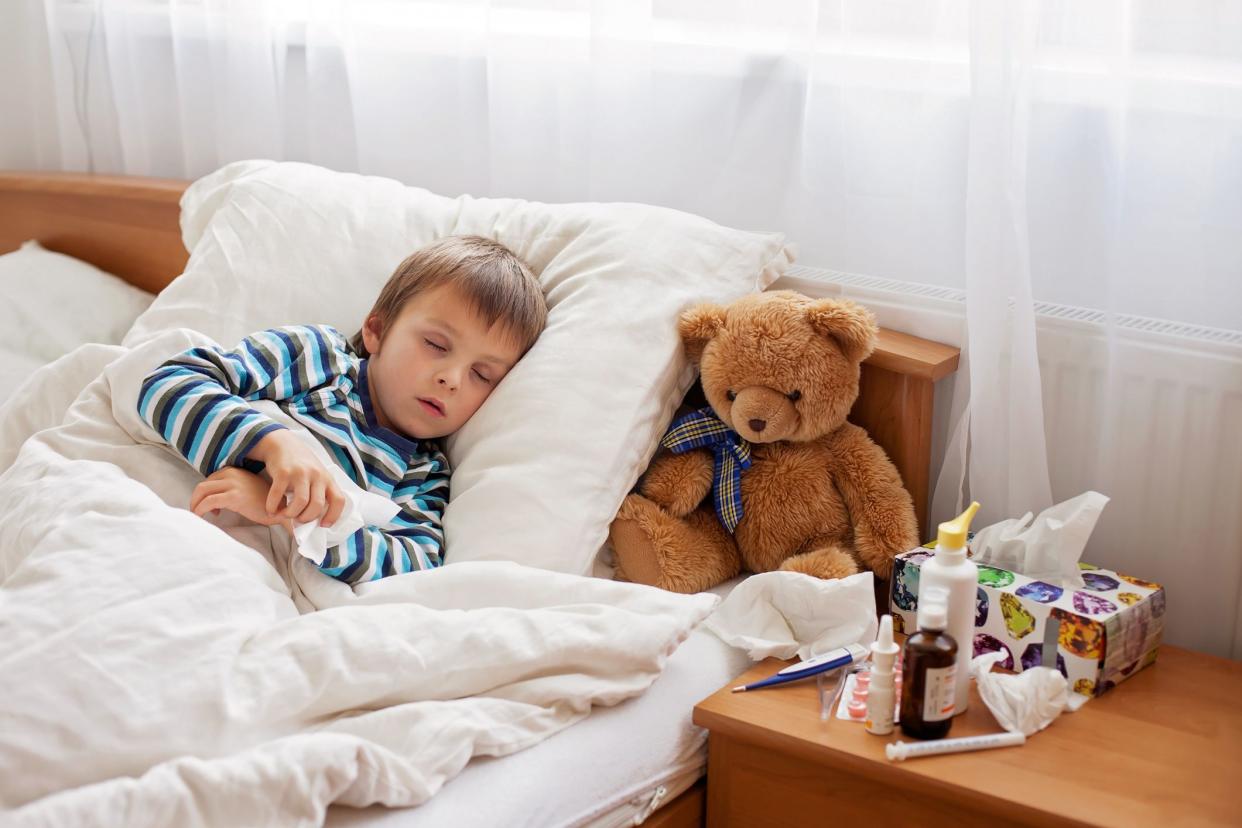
[{"x": 198, "y": 402}]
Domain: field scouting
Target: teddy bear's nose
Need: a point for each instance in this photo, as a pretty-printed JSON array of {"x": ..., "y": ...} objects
[{"x": 758, "y": 425}]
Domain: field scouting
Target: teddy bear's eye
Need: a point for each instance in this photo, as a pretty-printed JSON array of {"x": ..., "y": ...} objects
[
  {"x": 730, "y": 396},
  {"x": 794, "y": 396}
]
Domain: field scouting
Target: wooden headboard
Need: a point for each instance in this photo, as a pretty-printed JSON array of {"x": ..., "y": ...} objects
[
  {"x": 895, "y": 395},
  {"x": 129, "y": 226}
]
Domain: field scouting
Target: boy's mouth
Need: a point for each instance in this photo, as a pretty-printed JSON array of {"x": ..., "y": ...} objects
[{"x": 432, "y": 406}]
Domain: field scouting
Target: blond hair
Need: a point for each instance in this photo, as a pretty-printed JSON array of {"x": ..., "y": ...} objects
[{"x": 496, "y": 283}]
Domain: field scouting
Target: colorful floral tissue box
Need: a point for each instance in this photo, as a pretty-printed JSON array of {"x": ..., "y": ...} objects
[{"x": 1110, "y": 628}]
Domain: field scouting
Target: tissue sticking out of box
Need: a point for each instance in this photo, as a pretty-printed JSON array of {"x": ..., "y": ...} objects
[{"x": 1046, "y": 547}]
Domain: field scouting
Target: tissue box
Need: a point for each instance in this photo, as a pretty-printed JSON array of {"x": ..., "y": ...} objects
[{"x": 1110, "y": 628}]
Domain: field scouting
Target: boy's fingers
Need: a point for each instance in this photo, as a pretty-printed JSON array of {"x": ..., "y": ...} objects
[
  {"x": 314, "y": 507},
  {"x": 209, "y": 504},
  {"x": 301, "y": 496},
  {"x": 207, "y": 487},
  {"x": 276, "y": 495},
  {"x": 336, "y": 505}
]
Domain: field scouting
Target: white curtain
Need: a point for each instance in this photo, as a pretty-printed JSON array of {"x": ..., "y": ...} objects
[
  {"x": 1088, "y": 154},
  {"x": 998, "y": 411},
  {"x": 866, "y": 129}
]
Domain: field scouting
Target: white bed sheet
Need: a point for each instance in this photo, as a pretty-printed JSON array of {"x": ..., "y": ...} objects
[{"x": 603, "y": 771}]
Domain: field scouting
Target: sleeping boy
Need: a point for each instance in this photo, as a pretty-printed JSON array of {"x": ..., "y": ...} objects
[{"x": 451, "y": 321}]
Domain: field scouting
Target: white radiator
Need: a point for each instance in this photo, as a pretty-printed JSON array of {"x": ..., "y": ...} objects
[{"x": 1158, "y": 428}]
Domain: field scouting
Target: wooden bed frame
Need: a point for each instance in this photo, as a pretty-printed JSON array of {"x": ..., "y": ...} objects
[{"x": 130, "y": 227}]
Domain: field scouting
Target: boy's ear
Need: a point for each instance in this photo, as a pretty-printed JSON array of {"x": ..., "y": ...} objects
[
  {"x": 698, "y": 325},
  {"x": 372, "y": 333},
  {"x": 851, "y": 325}
]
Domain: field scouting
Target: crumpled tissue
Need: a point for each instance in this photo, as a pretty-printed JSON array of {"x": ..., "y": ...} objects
[
  {"x": 362, "y": 508},
  {"x": 784, "y": 614},
  {"x": 1046, "y": 548},
  {"x": 1027, "y": 702}
]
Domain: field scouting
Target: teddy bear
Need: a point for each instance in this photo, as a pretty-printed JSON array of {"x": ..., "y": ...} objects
[{"x": 769, "y": 475}]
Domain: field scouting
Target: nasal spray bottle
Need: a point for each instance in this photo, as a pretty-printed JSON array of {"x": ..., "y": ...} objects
[
  {"x": 950, "y": 570},
  {"x": 881, "y": 697}
]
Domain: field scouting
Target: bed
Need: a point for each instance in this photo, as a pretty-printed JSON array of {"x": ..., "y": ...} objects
[
  {"x": 52, "y": 303},
  {"x": 590, "y": 774}
]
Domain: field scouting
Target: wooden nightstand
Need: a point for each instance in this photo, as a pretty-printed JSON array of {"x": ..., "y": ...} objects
[{"x": 1164, "y": 748}]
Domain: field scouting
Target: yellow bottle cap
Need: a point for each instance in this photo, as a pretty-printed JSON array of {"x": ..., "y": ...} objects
[{"x": 952, "y": 534}]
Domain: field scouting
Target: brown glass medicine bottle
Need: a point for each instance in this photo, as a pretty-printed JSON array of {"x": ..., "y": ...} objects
[{"x": 928, "y": 671}]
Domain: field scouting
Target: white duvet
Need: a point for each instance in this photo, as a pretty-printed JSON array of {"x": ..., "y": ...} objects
[{"x": 156, "y": 669}]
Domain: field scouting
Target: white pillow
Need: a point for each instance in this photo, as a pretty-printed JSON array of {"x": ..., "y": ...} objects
[
  {"x": 51, "y": 303},
  {"x": 541, "y": 469},
  {"x": 15, "y": 367}
]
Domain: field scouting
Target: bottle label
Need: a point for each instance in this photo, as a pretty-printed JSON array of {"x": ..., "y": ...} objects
[
  {"x": 938, "y": 693},
  {"x": 881, "y": 711}
]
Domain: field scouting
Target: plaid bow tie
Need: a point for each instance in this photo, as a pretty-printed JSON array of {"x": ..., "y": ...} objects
[{"x": 703, "y": 429}]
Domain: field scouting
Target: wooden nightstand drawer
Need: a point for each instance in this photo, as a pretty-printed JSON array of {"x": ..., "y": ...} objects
[{"x": 760, "y": 787}]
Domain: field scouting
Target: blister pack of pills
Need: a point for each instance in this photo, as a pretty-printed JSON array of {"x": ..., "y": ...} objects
[{"x": 852, "y": 705}]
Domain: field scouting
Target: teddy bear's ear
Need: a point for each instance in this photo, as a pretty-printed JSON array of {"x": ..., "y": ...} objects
[
  {"x": 698, "y": 325},
  {"x": 851, "y": 325}
]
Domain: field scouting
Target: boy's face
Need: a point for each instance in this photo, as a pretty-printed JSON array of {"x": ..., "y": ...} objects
[{"x": 433, "y": 366}]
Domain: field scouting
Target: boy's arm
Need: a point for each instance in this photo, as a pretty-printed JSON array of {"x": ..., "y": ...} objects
[
  {"x": 414, "y": 540},
  {"x": 197, "y": 401}
]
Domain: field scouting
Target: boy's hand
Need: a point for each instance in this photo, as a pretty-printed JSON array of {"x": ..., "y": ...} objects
[
  {"x": 236, "y": 490},
  {"x": 294, "y": 469}
]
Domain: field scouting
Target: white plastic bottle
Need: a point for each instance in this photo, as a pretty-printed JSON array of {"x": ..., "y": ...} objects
[
  {"x": 949, "y": 569},
  {"x": 882, "y": 696}
]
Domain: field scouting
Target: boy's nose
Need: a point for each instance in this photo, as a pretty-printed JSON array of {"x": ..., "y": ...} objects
[{"x": 451, "y": 386}]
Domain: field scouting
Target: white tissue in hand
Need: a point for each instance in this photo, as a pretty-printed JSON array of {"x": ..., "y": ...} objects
[
  {"x": 1026, "y": 702},
  {"x": 362, "y": 508},
  {"x": 1047, "y": 548}
]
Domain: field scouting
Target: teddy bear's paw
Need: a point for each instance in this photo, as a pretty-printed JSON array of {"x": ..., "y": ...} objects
[
  {"x": 633, "y": 508},
  {"x": 679, "y": 482},
  {"x": 823, "y": 563},
  {"x": 637, "y": 560}
]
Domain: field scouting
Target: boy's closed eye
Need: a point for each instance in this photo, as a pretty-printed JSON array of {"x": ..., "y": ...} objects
[{"x": 444, "y": 349}]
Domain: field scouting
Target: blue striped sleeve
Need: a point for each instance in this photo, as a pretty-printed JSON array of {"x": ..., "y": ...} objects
[
  {"x": 413, "y": 541},
  {"x": 197, "y": 401}
]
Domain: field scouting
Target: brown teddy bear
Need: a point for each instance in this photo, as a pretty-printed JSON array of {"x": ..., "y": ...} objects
[{"x": 770, "y": 475}]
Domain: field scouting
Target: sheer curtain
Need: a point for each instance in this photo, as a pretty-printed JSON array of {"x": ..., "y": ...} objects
[
  {"x": 866, "y": 129},
  {"x": 998, "y": 413},
  {"x": 1083, "y": 154}
]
